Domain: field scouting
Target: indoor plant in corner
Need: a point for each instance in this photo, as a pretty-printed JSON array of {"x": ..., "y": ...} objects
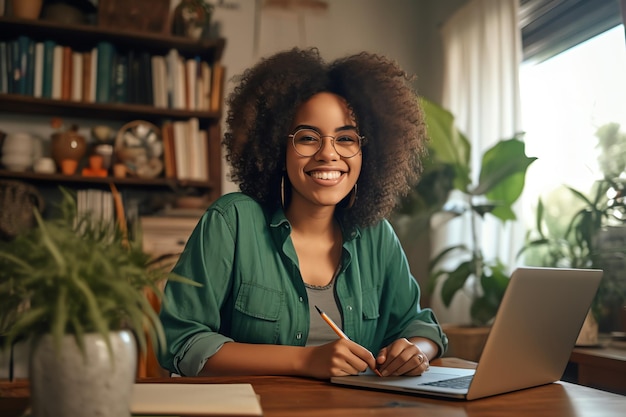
[
  {"x": 74, "y": 289},
  {"x": 500, "y": 183}
]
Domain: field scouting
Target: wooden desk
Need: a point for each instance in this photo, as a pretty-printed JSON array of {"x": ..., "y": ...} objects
[
  {"x": 302, "y": 397},
  {"x": 603, "y": 368}
]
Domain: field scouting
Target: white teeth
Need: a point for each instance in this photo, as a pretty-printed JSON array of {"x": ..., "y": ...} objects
[{"x": 326, "y": 175}]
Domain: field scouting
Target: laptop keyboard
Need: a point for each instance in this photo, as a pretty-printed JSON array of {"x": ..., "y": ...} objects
[{"x": 456, "y": 383}]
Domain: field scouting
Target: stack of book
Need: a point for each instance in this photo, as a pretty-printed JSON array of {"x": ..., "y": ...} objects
[
  {"x": 105, "y": 74},
  {"x": 185, "y": 150}
]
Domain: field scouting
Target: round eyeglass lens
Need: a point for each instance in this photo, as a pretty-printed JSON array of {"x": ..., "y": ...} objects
[{"x": 308, "y": 142}]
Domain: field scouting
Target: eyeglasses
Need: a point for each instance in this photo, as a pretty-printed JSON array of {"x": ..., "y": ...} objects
[{"x": 308, "y": 142}]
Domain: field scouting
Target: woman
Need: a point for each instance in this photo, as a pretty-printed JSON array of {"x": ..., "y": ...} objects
[{"x": 321, "y": 153}]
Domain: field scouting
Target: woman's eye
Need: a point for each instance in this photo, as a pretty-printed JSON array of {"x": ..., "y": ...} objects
[
  {"x": 346, "y": 139},
  {"x": 308, "y": 138}
]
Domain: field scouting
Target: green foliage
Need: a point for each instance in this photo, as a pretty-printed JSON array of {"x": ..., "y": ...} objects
[
  {"x": 73, "y": 275},
  {"x": 501, "y": 182},
  {"x": 569, "y": 238}
]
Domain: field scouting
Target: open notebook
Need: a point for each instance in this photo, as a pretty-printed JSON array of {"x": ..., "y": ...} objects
[
  {"x": 195, "y": 399},
  {"x": 529, "y": 344}
]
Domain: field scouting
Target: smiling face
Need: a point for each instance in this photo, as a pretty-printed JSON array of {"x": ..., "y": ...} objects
[{"x": 325, "y": 178}]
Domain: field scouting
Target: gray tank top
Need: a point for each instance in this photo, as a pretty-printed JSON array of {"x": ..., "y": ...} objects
[{"x": 324, "y": 298}]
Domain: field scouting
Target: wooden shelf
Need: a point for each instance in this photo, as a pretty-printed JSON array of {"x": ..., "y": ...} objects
[
  {"x": 17, "y": 103},
  {"x": 87, "y": 35},
  {"x": 127, "y": 181}
]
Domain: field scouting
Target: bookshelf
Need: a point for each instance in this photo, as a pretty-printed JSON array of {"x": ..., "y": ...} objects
[{"x": 84, "y": 38}]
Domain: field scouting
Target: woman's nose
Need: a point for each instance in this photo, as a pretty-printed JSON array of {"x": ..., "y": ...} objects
[{"x": 327, "y": 150}]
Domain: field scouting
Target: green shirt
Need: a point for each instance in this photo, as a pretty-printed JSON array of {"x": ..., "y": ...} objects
[{"x": 253, "y": 292}]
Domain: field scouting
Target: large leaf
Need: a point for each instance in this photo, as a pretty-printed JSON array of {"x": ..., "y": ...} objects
[
  {"x": 447, "y": 144},
  {"x": 455, "y": 281},
  {"x": 502, "y": 176}
]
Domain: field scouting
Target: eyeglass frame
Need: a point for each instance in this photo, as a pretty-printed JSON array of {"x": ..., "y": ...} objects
[{"x": 292, "y": 136}]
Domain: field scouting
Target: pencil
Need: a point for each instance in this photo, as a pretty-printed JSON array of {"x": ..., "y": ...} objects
[
  {"x": 332, "y": 324},
  {"x": 337, "y": 330}
]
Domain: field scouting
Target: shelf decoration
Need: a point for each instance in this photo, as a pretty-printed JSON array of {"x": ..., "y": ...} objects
[
  {"x": 192, "y": 18},
  {"x": 139, "y": 147},
  {"x": 67, "y": 147}
]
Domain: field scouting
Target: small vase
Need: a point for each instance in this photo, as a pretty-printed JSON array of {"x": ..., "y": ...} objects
[
  {"x": 67, "y": 145},
  {"x": 26, "y": 9}
]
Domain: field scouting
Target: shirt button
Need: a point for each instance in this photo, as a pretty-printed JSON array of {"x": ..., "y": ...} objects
[
  {"x": 301, "y": 299},
  {"x": 298, "y": 336},
  {"x": 349, "y": 308}
]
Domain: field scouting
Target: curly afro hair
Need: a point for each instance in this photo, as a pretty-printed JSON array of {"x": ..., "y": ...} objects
[{"x": 385, "y": 106}]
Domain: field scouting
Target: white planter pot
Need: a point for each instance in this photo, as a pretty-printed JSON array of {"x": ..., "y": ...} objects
[{"x": 64, "y": 383}]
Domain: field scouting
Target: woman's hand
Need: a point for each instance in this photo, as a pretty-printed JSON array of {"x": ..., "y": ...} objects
[
  {"x": 402, "y": 357},
  {"x": 339, "y": 358}
]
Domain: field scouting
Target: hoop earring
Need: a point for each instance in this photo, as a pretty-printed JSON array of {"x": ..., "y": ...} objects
[
  {"x": 352, "y": 197},
  {"x": 282, "y": 191}
]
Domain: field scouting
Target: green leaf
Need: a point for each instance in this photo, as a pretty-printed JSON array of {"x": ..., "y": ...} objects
[
  {"x": 455, "y": 281},
  {"x": 447, "y": 144}
]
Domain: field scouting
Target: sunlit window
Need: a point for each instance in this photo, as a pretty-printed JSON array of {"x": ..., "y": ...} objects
[{"x": 565, "y": 100}]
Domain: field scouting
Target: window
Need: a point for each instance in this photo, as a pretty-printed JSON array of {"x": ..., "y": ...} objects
[{"x": 572, "y": 81}]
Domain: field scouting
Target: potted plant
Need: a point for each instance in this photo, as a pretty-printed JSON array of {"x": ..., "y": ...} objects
[
  {"x": 588, "y": 230},
  {"x": 73, "y": 288},
  {"x": 501, "y": 181}
]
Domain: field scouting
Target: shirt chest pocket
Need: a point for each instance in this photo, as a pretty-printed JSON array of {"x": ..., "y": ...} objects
[
  {"x": 257, "y": 313},
  {"x": 370, "y": 316}
]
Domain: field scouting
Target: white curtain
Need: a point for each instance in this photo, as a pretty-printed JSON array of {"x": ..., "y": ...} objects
[{"x": 482, "y": 54}]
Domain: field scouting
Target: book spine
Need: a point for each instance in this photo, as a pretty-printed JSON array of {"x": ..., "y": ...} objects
[
  {"x": 28, "y": 68},
  {"x": 4, "y": 70},
  {"x": 38, "y": 70},
  {"x": 77, "y": 76},
  {"x": 91, "y": 97},
  {"x": 217, "y": 86},
  {"x": 86, "y": 76},
  {"x": 48, "y": 66},
  {"x": 57, "y": 71},
  {"x": 120, "y": 78},
  {"x": 104, "y": 72},
  {"x": 67, "y": 76},
  {"x": 145, "y": 69}
]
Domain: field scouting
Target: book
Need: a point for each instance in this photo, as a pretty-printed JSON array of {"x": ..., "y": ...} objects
[
  {"x": 38, "y": 70},
  {"x": 159, "y": 81},
  {"x": 67, "y": 73},
  {"x": 77, "y": 76},
  {"x": 205, "y": 90},
  {"x": 180, "y": 129},
  {"x": 191, "y": 148},
  {"x": 48, "y": 67},
  {"x": 86, "y": 76},
  {"x": 91, "y": 96},
  {"x": 20, "y": 60},
  {"x": 203, "y": 154},
  {"x": 57, "y": 71},
  {"x": 169, "y": 159},
  {"x": 195, "y": 399},
  {"x": 176, "y": 80},
  {"x": 134, "y": 75},
  {"x": 4, "y": 69},
  {"x": 217, "y": 86},
  {"x": 28, "y": 67},
  {"x": 191, "y": 87},
  {"x": 104, "y": 73},
  {"x": 120, "y": 78},
  {"x": 145, "y": 88}
]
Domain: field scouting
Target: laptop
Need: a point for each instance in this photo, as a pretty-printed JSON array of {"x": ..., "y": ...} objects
[{"x": 529, "y": 344}]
